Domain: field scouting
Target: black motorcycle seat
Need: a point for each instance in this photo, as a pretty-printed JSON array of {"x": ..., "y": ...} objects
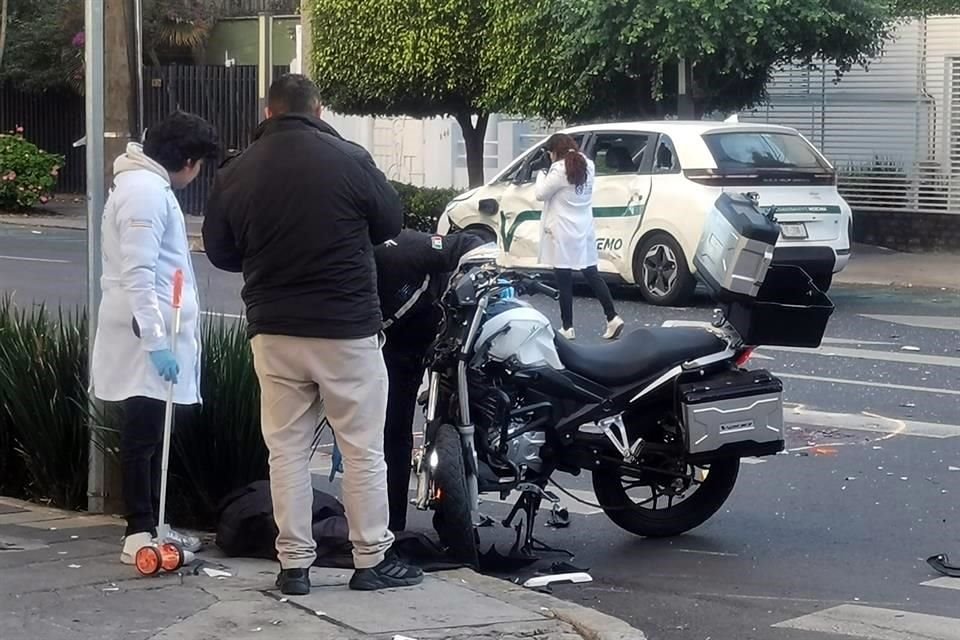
[{"x": 637, "y": 355}]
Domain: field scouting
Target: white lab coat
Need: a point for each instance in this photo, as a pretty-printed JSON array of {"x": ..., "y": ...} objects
[
  {"x": 144, "y": 243},
  {"x": 567, "y": 236}
]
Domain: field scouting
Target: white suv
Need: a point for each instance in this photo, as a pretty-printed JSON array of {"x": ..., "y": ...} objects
[{"x": 655, "y": 184}]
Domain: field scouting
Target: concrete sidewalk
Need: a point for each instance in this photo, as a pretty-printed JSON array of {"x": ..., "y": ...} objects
[
  {"x": 868, "y": 265},
  {"x": 61, "y": 579}
]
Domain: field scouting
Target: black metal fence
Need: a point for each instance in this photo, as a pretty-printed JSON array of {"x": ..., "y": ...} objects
[
  {"x": 225, "y": 96},
  {"x": 232, "y": 8}
]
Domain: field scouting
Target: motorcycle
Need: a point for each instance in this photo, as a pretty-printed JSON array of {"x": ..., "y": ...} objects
[{"x": 660, "y": 418}]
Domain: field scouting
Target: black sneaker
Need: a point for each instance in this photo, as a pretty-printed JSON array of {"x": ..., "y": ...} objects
[
  {"x": 389, "y": 574},
  {"x": 294, "y": 582}
]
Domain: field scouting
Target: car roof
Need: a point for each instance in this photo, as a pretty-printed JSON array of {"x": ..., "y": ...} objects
[{"x": 680, "y": 127}]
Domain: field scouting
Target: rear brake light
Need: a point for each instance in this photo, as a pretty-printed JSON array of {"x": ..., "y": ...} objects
[{"x": 744, "y": 356}]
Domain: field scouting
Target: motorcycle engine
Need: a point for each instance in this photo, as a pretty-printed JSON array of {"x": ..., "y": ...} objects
[{"x": 523, "y": 451}]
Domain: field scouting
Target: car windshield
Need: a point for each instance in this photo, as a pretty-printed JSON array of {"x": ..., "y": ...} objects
[{"x": 760, "y": 150}]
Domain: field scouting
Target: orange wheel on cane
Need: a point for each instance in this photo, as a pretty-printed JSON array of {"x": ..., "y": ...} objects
[
  {"x": 171, "y": 556},
  {"x": 148, "y": 560}
]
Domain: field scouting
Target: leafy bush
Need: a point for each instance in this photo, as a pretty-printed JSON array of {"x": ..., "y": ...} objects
[
  {"x": 423, "y": 206},
  {"x": 44, "y": 404},
  {"x": 45, "y": 413},
  {"x": 222, "y": 449},
  {"x": 27, "y": 173}
]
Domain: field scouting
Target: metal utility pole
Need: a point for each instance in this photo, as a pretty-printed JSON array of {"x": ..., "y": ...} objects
[
  {"x": 94, "y": 57},
  {"x": 685, "y": 106},
  {"x": 264, "y": 61},
  {"x": 110, "y": 111}
]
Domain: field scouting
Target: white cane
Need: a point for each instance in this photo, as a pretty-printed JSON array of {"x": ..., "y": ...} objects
[{"x": 162, "y": 529}]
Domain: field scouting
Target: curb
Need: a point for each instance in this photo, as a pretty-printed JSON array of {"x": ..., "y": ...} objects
[{"x": 589, "y": 623}]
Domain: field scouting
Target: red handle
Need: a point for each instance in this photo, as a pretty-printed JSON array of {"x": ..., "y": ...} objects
[{"x": 177, "y": 288}]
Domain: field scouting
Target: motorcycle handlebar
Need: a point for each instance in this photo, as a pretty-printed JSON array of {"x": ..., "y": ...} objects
[{"x": 540, "y": 287}]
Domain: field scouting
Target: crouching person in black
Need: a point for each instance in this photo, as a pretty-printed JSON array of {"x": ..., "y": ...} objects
[{"x": 412, "y": 273}]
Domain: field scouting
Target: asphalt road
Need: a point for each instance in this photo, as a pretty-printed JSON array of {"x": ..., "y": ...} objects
[{"x": 826, "y": 540}]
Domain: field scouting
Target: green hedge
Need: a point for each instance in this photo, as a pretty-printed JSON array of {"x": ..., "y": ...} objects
[
  {"x": 45, "y": 412},
  {"x": 423, "y": 206}
]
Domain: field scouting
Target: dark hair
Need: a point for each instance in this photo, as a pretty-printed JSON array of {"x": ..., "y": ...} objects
[
  {"x": 565, "y": 148},
  {"x": 293, "y": 93},
  {"x": 180, "y": 138}
]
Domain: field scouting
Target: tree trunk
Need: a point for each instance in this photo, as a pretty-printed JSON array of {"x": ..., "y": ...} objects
[
  {"x": 3, "y": 29},
  {"x": 473, "y": 139},
  {"x": 119, "y": 100}
]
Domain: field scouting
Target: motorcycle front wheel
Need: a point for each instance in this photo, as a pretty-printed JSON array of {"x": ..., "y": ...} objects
[
  {"x": 660, "y": 512},
  {"x": 452, "y": 518}
]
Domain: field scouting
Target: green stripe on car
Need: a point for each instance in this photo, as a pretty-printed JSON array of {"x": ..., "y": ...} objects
[{"x": 507, "y": 235}]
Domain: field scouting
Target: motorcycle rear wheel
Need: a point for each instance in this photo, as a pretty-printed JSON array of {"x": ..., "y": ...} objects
[
  {"x": 674, "y": 520},
  {"x": 452, "y": 517}
]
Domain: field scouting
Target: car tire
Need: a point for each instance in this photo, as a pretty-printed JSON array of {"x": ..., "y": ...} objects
[
  {"x": 483, "y": 232},
  {"x": 660, "y": 270}
]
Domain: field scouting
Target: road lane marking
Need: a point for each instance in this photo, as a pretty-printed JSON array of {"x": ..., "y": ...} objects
[
  {"x": 942, "y": 583},
  {"x": 875, "y": 623},
  {"x": 700, "y": 552},
  {"x": 949, "y": 323},
  {"x": 869, "y": 383},
  {"x": 872, "y": 423},
  {"x": 25, "y": 259},
  {"x": 849, "y": 341},
  {"x": 869, "y": 354}
]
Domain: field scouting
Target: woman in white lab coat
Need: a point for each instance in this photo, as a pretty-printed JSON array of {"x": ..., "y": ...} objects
[
  {"x": 144, "y": 243},
  {"x": 568, "y": 241}
]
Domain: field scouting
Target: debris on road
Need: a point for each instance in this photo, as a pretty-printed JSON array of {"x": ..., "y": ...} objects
[
  {"x": 953, "y": 468},
  {"x": 941, "y": 564},
  {"x": 216, "y": 573},
  {"x": 909, "y": 348}
]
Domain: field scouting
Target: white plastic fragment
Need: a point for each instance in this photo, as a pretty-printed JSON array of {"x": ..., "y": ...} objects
[
  {"x": 74, "y": 537},
  {"x": 399, "y": 637},
  {"x": 217, "y": 573},
  {"x": 953, "y": 468},
  {"x": 909, "y": 348},
  {"x": 73, "y": 566}
]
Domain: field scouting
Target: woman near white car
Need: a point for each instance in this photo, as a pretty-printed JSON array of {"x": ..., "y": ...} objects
[{"x": 568, "y": 241}]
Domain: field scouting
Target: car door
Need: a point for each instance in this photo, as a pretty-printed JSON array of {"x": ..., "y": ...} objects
[
  {"x": 520, "y": 211},
  {"x": 620, "y": 194}
]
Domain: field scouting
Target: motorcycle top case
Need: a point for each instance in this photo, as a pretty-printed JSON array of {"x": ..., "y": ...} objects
[
  {"x": 736, "y": 248},
  {"x": 740, "y": 411}
]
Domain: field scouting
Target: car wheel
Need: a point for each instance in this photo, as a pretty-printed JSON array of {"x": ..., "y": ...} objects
[
  {"x": 660, "y": 270},
  {"x": 483, "y": 232}
]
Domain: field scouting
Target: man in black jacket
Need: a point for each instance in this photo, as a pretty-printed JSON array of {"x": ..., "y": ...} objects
[
  {"x": 412, "y": 273},
  {"x": 299, "y": 213}
]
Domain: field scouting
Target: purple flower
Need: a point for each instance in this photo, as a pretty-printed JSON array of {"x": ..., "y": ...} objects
[{"x": 79, "y": 40}]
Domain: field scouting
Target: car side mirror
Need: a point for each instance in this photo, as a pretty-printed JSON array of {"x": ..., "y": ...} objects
[{"x": 488, "y": 206}]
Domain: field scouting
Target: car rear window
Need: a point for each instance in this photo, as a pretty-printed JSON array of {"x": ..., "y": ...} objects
[{"x": 761, "y": 150}]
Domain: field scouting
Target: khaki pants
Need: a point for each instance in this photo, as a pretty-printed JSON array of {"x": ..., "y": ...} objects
[{"x": 350, "y": 379}]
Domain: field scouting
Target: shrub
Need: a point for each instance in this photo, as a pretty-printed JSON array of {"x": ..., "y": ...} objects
[
  {"x": 222, "y": 449},
  {"x": 27, "y": 173},
  {"x": 44, "y": 402},
  {"x": 423, "y": 206}
]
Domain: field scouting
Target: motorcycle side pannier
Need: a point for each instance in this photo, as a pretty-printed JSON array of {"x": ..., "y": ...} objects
[
  {"x": 740, "y": 412},
  {"x": 736, "y": 248}
]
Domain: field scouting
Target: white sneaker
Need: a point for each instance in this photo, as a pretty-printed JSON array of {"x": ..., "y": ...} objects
[
  {"x": 614, "y": 328},
  {"x": 132, "y": 544},
  {"x": 569, "y": 334},
  {"x": 184, "y": 541}
]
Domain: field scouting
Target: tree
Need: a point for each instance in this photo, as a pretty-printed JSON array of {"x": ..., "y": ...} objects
[
  {"x": 927, "y": 7},
  {"x": 402, "y": 58},
  {"x": 4, "y": 7},
  {"x": 612, "y": 58}
]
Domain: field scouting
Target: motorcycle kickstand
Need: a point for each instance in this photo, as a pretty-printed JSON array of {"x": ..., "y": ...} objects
[{"x": 530, "y": 503}]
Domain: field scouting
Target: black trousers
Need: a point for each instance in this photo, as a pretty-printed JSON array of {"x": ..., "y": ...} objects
[
  {"x": 600, "y": 291},
  {"x": 405, "y": 371},
  {"x": 140, "y": 421}
]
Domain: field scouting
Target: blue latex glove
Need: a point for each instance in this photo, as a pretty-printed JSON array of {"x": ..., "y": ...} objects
[
  {"x": 336, "y": 466},
  {"x": 508, "y": 293},
  {"x": 165, "y": 364}
]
